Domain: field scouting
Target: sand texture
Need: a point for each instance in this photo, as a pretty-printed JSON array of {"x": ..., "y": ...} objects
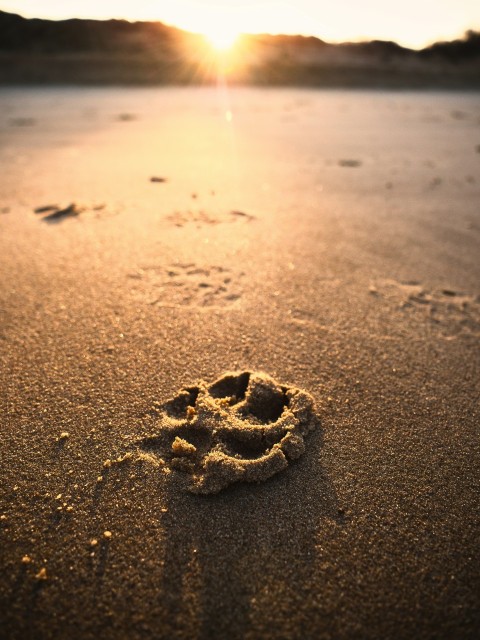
[{"x": 240, "y": 400}]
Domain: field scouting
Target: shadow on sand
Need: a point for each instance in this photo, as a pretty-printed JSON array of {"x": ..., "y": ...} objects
[{"x": 225, "y": 553}]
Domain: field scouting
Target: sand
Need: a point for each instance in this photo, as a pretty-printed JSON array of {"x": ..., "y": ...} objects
[
  {"x": 353, "y": 277},
  {"x": 244, "y": 427}
]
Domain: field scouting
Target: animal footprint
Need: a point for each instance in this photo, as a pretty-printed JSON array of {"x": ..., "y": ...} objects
[
  {"x": 189, "y": 285},
  {"x": 201, "y": 217},
  {"x": 243, "y": 427},
  {"x": 446, "y": 307}
]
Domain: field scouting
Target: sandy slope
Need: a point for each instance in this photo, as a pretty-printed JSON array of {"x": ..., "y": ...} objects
[{"x": 355, "y": 278}]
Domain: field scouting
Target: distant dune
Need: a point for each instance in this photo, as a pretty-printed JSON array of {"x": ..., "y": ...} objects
[{"x": 119, "y": 52}]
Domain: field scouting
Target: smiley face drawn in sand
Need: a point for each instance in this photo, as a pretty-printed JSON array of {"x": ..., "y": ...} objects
[{"x": 243, "y": 427}]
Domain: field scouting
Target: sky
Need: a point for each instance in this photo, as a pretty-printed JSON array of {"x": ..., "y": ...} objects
[{"x": 413, "y": 23}]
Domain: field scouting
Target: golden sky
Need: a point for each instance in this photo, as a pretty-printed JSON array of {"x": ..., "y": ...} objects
[{"x": 413, "y": 23}]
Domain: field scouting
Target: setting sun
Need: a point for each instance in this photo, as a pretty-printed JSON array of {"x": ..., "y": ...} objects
[{"x": 221, "y": 39}]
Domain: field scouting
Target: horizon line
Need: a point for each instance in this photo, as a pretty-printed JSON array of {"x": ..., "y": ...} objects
[{"x": 360, "y": 40}]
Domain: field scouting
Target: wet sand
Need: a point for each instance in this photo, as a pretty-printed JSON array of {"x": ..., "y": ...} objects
[{"x": 328, "y": 239}]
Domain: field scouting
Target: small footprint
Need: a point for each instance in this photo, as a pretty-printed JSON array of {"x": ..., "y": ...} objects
[
  {"x": 245, "y": 427},
  {"x": 187, "y": 284},
  {"x": 201, "y": 217},
  {"x": 453, "y": 310}
]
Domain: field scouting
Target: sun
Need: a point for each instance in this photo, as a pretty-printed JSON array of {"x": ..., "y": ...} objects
[{"x": 221, "y": 38}]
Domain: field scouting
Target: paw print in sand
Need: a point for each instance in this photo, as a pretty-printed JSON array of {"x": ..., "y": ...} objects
[{"x": 243, "y": 427}]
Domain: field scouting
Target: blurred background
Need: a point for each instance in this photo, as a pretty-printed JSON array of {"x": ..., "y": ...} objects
[{"x": 342, "y": 44}]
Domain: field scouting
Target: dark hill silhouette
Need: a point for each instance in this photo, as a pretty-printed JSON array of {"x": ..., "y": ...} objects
[
  {"x": 48, "y": 36},
  {"x": 456, "y": 51},
  {"x": 121, "y": 52}
]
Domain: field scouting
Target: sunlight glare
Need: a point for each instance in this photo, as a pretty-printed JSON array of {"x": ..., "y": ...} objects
[{"x": 222, "y": 38}]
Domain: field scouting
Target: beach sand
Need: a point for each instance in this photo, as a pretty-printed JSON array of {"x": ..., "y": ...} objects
[{"x": 329, "y": 239}]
